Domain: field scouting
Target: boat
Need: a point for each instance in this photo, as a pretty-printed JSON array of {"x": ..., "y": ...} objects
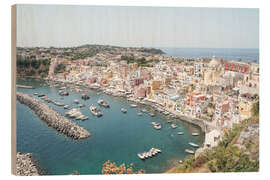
[
  {"x": 141, "y": 156},
  {"x": 195, "y": 134},
  {"x": 79, "y": 117},
  {"x": 180, "y": 133},
  {"x": 40, "y": 95},
  {"x": 174, "y": 126},
  {"x": 144, "y": 110},
  {"x": 158, "y": 150},
  {"x": 58, "y": 103},
  {"x": 193, "y": 144},
  {"x": 35, "y": 94},
  {"x": 81, "y": 105},
  {"x": 103, "y": 103},
  {"x": 139, "y": 113},
  {"x": 84, "y": 118},
  {"x": 169, "y": 121},
  {"x": 85, "y": 97},
  {"x": 152, "y": 114},
  {"x": 157, "y": 127},
  {"x": 94, "y": 110},
  {"x": 66, "y": 107},
  {"x": 123, "y": 110},
  {"x": 76, "y": 101},
  {"x": 133, "y": 105},
  {"x": 189, "y": 151}
]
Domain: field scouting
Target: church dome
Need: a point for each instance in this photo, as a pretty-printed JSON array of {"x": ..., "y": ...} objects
[{"x": 214, "y": 62}]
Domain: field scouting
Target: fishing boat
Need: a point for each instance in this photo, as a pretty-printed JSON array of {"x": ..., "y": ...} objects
[
  {"x": 123, "y": 110},
  {"x": 195, "y": 134},
  {"x": 94, "y": 110},
  {"x": 133, "y": 105},
  {"x": 174, "y": 126},
  {"x": 193, "y": 144},
  {"x": 139, "y": 113},
  {"x": 76, "y": 101},
  {"x": 103, "y": 103},
  {"x": 180, "y": 133},
  {"x": 189, "y": 151}
]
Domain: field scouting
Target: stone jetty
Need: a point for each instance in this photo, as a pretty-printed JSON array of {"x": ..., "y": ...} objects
[
  {"x": 53, "y": 118},
  {"x": 25, "y": 165}
]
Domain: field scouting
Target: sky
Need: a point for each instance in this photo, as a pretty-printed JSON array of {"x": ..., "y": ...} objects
[{"x": 69, "y": 26}]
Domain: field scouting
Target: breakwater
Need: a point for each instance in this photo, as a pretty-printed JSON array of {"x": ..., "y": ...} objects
[
  {"x": 25, "y": 165},
  {"x": 53, "y": 118}
]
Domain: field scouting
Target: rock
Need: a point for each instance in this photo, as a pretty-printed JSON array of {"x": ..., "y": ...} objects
[{"x": 53, "y": 118}]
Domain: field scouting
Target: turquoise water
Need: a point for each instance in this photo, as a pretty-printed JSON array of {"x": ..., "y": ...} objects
[{"x": 116, "y": 136}]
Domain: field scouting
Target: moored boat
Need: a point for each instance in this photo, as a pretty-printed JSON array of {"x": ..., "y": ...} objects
[
  {"x": 193, "y": 144},
  {"x": 174, "y": 126},
  {"x": 189, "y": 151},
  {"x": 195, "y": 134},
  {"x": 103, "y": 103},
  {"x": 123, "y": 110},
  {"x": 95, "y": 111},
  {"x": 180, "y": 133},
  {"x": 76, "y": 101},
  {"x": 133, "y": 105},
  {"x": 85, "y": 97}
]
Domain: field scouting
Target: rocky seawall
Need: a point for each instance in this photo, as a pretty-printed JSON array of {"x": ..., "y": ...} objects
[
  {"x": 53, "y": 118},
  {"x": 25, "y": 165}
]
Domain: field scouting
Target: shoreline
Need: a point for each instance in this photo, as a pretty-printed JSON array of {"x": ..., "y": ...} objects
[
  {"x": 53, "y": 118},
  {"x": 193, "y": 121}
]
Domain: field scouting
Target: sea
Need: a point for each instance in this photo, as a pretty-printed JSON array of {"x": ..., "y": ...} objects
[
  {"x": 237, "y": 54},
  {"x": 115, "y": 136}
]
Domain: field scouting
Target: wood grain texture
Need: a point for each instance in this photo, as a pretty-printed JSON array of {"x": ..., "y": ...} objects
[{"x": 13, "y": 88}]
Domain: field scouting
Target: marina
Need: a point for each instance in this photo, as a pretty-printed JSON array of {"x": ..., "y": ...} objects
[{"x": 123, "y": 134}]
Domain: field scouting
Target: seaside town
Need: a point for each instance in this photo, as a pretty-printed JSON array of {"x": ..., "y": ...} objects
[{"x": 212, "y": 93}]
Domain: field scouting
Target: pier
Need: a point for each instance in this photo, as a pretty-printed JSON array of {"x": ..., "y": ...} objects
[{"x": 53, "y": 118}]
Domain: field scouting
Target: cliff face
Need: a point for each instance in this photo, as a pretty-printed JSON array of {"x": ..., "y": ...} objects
[{"x": 53, "y": 118}]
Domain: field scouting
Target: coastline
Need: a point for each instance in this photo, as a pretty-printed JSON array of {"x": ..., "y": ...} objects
[
  {"x": 194, "y": 121},
  {"x": 53, "y": 118}
]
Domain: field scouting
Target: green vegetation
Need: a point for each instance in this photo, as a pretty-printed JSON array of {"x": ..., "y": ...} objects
[
  {"x": 151, "y": 50},
  {"x": 33, "y": 67},
  {"x": 140, "y": 61},
  {"x": 228, "y": 156}
]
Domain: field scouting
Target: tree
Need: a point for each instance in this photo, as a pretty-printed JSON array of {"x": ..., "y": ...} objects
[{"x": 111, "y": 168}]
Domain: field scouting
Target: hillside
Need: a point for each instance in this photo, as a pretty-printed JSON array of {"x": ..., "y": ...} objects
[{"x": 238, "y": 151}]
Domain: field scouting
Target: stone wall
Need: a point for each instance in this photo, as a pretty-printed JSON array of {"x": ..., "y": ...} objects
[{"x": 53, "y": 118}]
